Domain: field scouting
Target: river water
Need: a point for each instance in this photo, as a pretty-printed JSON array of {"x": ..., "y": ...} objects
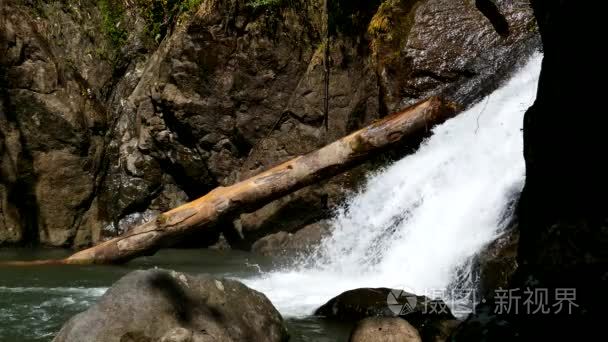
[
  {"x": 36, "y": 301},
  {"x": 416, "y": 225}
]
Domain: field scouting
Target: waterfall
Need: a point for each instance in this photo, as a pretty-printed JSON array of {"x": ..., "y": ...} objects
[{"x": 417, "y": 223}]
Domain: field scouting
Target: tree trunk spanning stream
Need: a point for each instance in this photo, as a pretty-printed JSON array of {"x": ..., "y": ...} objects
[{"x": 253, "y": 193}]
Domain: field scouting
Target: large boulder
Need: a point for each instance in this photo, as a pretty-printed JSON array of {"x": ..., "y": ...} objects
[
  {"x": 384, "y": 330},
  {"x": 161, "y": 305},
  {"x": 432, "y": 317}
]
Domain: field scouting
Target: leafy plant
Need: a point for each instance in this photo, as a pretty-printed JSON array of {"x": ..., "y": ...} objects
[
  {"x": 161, "y": 15},
  {"x": 265, "y": 3},
  {"x": 112, "y": 12}
]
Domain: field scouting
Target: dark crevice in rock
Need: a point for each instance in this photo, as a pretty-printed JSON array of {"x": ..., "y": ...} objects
[
  {"x": 351, "y": 17},
  {"x": 243, "y": 146},
  {"x": 200, "y": 239},
  {"x": 193, "y": 188},
  {"x": 99, "y": 175},
  {"x": 120, "y": 66},
  {"x": 23, "y": 196},
  {"x": 357, "y": 118},
  {"x": 182, "y": 130},
  {"x": 103, "y": 168},
  {"x": 304, "y": 119},
  {"x": 22, "y": 193}
]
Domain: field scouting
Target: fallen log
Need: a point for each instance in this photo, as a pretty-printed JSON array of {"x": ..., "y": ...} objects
[{"x": 257, "y": 191}]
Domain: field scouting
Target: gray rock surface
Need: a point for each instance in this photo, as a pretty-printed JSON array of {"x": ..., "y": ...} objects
[
  {"x": 284, "y": 243},
  {"x": 161, "y": 305},
  {"x": 384, "y": 330}
]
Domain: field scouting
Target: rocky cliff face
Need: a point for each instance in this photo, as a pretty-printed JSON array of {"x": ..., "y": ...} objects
[
  {"x": 564, "y": 218},
  {"x": 112, "y": 111},
  {"x": 53, "y": 119}
]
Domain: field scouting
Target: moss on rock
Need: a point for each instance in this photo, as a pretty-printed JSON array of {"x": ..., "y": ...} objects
[{"x": 112, "y": 12}]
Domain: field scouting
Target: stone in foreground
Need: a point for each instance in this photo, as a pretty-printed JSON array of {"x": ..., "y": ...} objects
[
  {"x": 379, "y": 329},
  {"x": 162, "y": 305},
  {"x": 432, "y": 318}
]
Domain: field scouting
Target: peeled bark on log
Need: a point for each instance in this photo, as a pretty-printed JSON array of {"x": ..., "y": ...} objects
[{"x": 259, "y": 190}]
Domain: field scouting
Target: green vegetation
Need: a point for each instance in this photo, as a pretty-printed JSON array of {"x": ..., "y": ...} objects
[
  {"x": 389, "y": 28},
  {"x": 265, "y": 3},
  {"x": 112, "y": 12},
  {"x": 161, "y": 15}
]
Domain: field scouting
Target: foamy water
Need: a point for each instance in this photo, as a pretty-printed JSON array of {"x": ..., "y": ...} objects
[{"x": 417, "y": 223}]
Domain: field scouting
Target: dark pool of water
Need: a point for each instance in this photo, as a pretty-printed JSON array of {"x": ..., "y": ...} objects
[{"x": 36, "y": 300}]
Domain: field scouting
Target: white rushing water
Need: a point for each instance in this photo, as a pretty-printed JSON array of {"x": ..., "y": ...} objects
[{"x": 417, "y": 223}]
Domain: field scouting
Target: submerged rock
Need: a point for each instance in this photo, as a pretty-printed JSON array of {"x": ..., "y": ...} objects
[
  {"x": 284, "y": 243},
  {"x": 360, "y": 303},
  {"x": 497, "y": 263},
  {"x": 162, "y": 305},
  {"x": 384, "y": 330},
  {"x": 432, "y": 317}
]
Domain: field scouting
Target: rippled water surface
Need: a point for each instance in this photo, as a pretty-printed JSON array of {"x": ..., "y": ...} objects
[{"x": 35, "y": 301}]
